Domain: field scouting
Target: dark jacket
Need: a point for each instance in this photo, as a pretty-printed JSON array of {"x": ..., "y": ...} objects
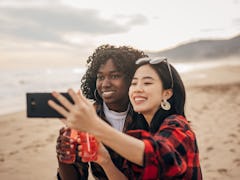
[{"x": 79, "y": 170}]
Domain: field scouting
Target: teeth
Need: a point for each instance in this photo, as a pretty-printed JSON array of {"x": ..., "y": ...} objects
[
  {"x": 139, "y": 99},
  {"x": 107, "y": 93}
]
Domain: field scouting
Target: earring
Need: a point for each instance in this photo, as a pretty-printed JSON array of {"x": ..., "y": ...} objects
[
  {"x": 165, "y": 105},
  {"x": 96, "y": 95}
]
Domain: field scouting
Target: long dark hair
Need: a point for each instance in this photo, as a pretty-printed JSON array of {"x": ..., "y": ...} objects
[
  {"x": 177, "y": 100},
  {"x": 123, "y": 58}
]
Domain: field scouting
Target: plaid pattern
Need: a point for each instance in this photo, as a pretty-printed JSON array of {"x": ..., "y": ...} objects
[{"x": 170, "y": 153}]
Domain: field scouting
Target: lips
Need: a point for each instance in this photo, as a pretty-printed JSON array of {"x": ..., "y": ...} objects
[
  {"x": 106, "y": 94},
  {"x": 139, "y": 99}
]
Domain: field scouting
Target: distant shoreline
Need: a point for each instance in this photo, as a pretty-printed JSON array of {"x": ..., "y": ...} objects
[
  {"x": 194, "y": 75},
  {"x": 212, "y": 106}
]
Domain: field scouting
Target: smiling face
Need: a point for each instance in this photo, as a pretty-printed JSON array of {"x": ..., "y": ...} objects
[
  {"x": 146, "y": 91},
  {"x": 111, "y": 86}
]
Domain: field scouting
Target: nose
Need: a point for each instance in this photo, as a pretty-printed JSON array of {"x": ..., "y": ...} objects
[
  {"x": 138, "y": 88},
  {"x": 106, "y": 82}
]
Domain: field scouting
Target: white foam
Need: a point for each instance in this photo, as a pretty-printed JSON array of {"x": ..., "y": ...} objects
[{"x": 15, "y": 85}]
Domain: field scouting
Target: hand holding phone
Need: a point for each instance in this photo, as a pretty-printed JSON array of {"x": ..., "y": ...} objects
[{"x": 37, "y": 105}]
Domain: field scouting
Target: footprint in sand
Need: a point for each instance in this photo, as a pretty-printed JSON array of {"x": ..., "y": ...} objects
[
  {"x": 232, "y": 135},
  {"x": 237, "y": 161},
  {"x": 209, "y": 149},
  {"x": 19, "y": 142},
  {"x": 22, "y": 135},
  {"x": 222, "y": 171},
  {"x": 13, "y": 152},
  {"x": 2, "y": 157},
  {"x": 8, "y": 134},
  {"x": 51, "y": 138},
  {"x": 227, "y": 141},
  {"x": 18, "y": 129},
  {"x": 205, "y": 107},
  {"x": 34, "y": 145},
  {"x": 232, "y": 150},
  {"x": 205, "y": 158}
]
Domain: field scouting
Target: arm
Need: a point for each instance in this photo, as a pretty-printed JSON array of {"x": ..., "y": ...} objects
[
  {"x": 82, "y": 116},
  {"x": 105, "y": 161},
  {"x": 127, "y": 146},
  {"x": 165, "y": 152},
  {"x": 112, "y": 172},
  {"x": 172, "y": 151}
]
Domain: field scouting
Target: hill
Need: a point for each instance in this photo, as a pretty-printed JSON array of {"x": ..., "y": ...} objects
[{"x": 203, "y": 49}]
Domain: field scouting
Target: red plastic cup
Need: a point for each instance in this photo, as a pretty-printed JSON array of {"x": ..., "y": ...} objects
[
  {"x": 89, "y": 147},
  {"x": 70, "y": 158}
]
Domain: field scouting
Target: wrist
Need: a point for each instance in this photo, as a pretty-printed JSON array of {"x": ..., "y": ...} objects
[
  {"x": 98, "y": 128},
  {"x": 106, "y": 162}
]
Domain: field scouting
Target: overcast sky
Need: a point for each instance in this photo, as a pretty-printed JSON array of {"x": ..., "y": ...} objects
[{"x": 79, "y": 26}]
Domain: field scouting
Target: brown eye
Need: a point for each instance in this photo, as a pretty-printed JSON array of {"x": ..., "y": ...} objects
[
  {"x": 100, "y": 77},
  {"x": 116, "y": 76},
  {"x": 148, "y": 83},
  {"x": 133, "y": 83}
]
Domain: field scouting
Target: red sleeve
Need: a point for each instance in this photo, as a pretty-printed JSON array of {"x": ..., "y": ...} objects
[{"x": 169, "y": 153}]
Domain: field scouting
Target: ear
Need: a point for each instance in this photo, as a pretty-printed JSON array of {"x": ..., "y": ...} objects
[{"x": 167, "y": 93}]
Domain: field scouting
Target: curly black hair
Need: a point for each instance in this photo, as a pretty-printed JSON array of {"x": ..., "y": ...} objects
[{"x": 123, "y": 57}]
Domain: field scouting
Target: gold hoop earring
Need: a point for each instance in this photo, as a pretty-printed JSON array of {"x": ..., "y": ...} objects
[
  {"x": 96, "y": 95},
  {"x": 165, "y": 105}
]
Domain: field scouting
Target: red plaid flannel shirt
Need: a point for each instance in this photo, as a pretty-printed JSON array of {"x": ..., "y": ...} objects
[{"x": 170, "y": 153}]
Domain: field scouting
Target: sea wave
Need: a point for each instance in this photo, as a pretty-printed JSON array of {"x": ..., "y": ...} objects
[{"x": 16, "y": 83}]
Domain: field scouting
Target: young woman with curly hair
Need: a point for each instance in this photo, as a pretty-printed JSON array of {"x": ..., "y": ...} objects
[{"x": 106, "y": 81}]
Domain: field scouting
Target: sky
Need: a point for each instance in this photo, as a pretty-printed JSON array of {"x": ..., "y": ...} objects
[{"x": 41, "y": 30}]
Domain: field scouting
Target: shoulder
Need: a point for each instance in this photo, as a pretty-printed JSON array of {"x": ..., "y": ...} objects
[{"x": 175, "y": 121}]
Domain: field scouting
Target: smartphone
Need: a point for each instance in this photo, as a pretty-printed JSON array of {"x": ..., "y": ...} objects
[{"x": 37, "y": 105}]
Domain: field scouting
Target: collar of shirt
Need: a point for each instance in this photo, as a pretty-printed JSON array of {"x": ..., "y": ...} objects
[{"x": 116, "y": 119}]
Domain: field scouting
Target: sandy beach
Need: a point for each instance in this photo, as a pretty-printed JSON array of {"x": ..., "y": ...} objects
[{"x": 27, "y": 148}]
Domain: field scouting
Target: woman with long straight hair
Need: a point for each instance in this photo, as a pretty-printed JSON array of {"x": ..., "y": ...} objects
[{"x": 161, "y": 144}]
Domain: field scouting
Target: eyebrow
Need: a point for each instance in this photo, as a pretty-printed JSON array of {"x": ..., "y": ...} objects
[
  {"x": 114, "y": 71},
  {"x": 146, "y": 77}
]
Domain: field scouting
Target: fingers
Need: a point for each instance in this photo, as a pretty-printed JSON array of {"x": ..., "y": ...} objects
[
  {"x": 67, "y": 106},
  {"x": 74, "y": 96},
  {"x": 64, "y": 139},
  {"x": 58, "y": 108},
  {"x": 63, "y": 100},
  {"x": 63, "y": 129},
  {"x": 77, "y": 97},
  {"x": 80, "y": 153},
  {"x": 82, "y": 98},
  {"x": 63, "y": 148}
]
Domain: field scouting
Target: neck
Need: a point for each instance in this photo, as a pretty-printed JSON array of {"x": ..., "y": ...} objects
[
  {"x": 148, "y": 118},
  {"x": 118, "y": 107},
  {"x": 148, "y": 115}
]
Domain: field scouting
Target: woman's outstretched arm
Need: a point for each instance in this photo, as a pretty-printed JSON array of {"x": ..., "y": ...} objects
[{"x": 82, "y": 116}]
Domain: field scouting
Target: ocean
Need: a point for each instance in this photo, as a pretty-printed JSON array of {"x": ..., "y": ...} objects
[{"x": 16, "y": 83}]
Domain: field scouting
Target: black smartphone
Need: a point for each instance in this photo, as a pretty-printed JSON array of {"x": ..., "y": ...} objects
[{"x": 37, "y": 105}]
